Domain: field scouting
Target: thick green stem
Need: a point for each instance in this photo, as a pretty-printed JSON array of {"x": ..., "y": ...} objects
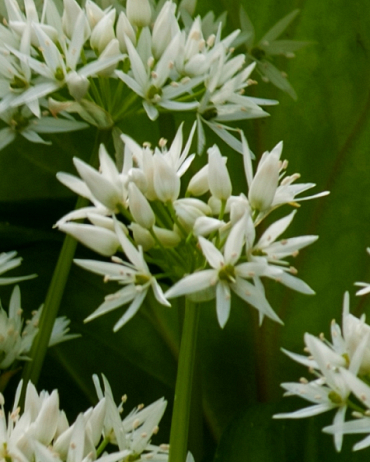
[
  {"x": 32, "y": 369},
  {"x": 184, "y": 383}
]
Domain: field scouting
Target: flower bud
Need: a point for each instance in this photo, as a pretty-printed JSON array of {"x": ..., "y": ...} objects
[
  {"x": 354, "y": 331},
  {"x": 139, "y": 12},
  {"x": 265, "y": 182},
  {"x": 101, "y": 240},
  {"x": 167, "y": 237},
  {"x": 239, "y": 205},
  {"x": 198, "y": 185},
  {"x": 111, "y": 50},
  {"x": 77, "y": 85},
  {"x": 218, "y": 175},
  {"x": 70, "y": 16},
  {"x": 189, "y": 6},
  {"x": 137, "y": 176},
  {"x": 124, "y": 28},
  {"x": 139, "y": 207},
  {"x": 164, "y": 29},
  {"x": 204, "y": 226},
  {"x": 188, "y": 210},
  {"x": 142, "y": 236},
  {"x": 103, "y": 32},
  {"x": 93, "y": 12},
  {"x": 165, "y": 180},
  {"x": 105, "y": 222}
]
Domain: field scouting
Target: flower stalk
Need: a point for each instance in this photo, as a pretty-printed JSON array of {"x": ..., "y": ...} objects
[
  {"x": 184, "y": 383},
  {"x": 32, "y": 369}
]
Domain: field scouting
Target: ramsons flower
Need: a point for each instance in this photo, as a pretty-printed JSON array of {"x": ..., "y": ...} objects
[
  {"x": 134, "y": 275},
  {"x": 16, "y": 339},
  {"x": 225, "y": 275}
]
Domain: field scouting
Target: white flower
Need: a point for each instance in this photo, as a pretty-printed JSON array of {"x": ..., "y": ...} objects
[
  {"x": 332, "y": 389},
  {"x": 134, "y": 275},
  {"x": 265, "y": 192},
  {"x": 150, "y": 83},
  {"x": 106, "y": 189},
  {"x": 360, "y": 425},
  {"x": 16, "y": 340},
  {"x": 328, "y": 392},
  {"x": 7, "y": 263},
  {"x": 134, "y": 432},
  {"x": 272, "y": 252},
  {"x": 226, "y": 275}
]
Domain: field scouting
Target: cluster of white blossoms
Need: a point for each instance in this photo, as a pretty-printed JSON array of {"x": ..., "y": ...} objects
[
  {"x": 41, "y": 430},
  {"x": 16, "y": 339},
  {"x": 205, "y": 245},
  {"x": 341, "y": 369},
  {"x": 53, "y": 64}
]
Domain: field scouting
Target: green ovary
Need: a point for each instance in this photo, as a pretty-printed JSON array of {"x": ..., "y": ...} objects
[
  {"x": 59, "y": 74},
  {"x": 334, "y": 397},
  {"x": 154, "y": 92},
  {"x": 141, "y": 279},
  {"x": 18, "y": 83},
  {"x": 227, "y": 273}
]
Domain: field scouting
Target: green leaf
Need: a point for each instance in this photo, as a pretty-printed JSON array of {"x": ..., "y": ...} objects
[{"x": 254, "y": 435}]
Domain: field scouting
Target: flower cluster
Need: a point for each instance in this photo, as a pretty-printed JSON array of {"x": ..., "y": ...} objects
[
  {"x": 341, "y": 368},
  {"x": 16, "y": 340},
  {"x": 42, "y": 432},
  {"x": 55, "y": 64},
  {"x": 204, "y": 245}
]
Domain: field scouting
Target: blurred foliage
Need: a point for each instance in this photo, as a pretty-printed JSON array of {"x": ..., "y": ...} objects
[{"x": 326, "y": 137}]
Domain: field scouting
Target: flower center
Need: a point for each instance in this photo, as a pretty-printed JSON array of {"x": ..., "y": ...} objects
[
  {"x": 141, "y": 279},
  {"x": 227, "y": 273},
  {"x": 335, "y": 398}
]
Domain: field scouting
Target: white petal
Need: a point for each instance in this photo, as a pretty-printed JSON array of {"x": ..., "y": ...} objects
[
  {"x": 275, "y": 230},
  {"x": 131, "y": 311},
  {"x": 305, "y": 412},
  {"x": 100, "y": 240},
  {"x": 223, "y": 303},
  {"x": 193, "y": 283},
  {"x": 212, "y": 254}
]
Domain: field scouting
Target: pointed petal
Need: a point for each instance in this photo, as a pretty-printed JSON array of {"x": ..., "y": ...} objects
[{"x": 193, "y": 283}]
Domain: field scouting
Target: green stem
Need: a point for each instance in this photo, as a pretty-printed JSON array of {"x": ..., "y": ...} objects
[
  {"x": 102, "y": 446},
  {"x": 184, "y": 383},
  {"x": 32, "y": 369}
]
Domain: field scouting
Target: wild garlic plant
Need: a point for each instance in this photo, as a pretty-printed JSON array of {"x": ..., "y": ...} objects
[
  {"x": 163, "y": 228},
  {"x": 340, "y": 369}
]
